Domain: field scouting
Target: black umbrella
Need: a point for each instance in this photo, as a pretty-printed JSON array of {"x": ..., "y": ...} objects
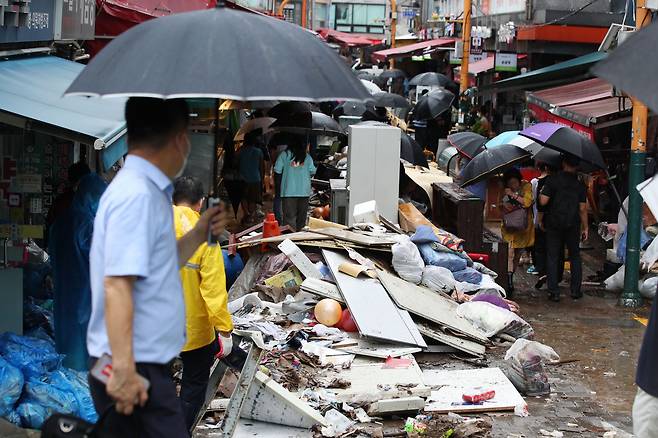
[
  {"x": 433, "y": 104},
  {"x": 354, "y": 109},
  {"x": 632, "y": 68},
  {"x": 390, "y": 100},
  {"x": 430, "y": 79},
  {"x": 410, "y": 150},
  {"x": 308, "y": 123},
  {"x": 566, "y": 140},
  {"x": 492, "y": 162},
  {"x": 393, "y": 73},
  {"x": 549, "y": 156},
  {"x": 469, "y": 144},
  {"x": 204, "y": 54},
  {"x": 286, "y": 109},
  {"x": 366, "y": 75}
]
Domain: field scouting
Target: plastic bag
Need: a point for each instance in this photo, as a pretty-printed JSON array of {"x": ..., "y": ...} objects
[
  {"x": 75, "y": 383},
  {"x": 491, "y": 296},
  {"x": 407, "y": 261},
  {"x": 438, "y": 279},
  {"x": 13, "y": 418},
  {"x": 616, "y": 281},
  {"x": 484, "y": 270},
  {"x": 648, "y": 287},
  {"x": 526, "y": 366},
  {"x": 492, "y": 320},
  {"x": 50, "y": 397},
  {"x": 34, "y": 357},
  {"x": 32, "y": 415},
  {"x": 621, "y": 246},
  {"x": 446, "y": 260},
  {"x": 468, "y": 275},
  {"x": 11, "y": 386}
]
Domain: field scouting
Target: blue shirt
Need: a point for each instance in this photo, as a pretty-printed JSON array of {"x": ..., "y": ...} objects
[
  {"x": 134, "y": 236},
  {"x": 295, "y": 178},
  {"x": 249, "y": 164}
]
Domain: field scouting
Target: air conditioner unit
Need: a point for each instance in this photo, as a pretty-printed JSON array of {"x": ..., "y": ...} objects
[{"x": 340, "y": 197}]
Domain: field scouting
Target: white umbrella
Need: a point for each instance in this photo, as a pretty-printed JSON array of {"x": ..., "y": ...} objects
[
  {"x": 253, "y": 124},
  {"x": 371, "y": 87}
]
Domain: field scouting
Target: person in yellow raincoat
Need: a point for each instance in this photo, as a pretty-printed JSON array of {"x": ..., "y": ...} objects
[
  {"x": 517, "y": 195},
  {"x": 206, "y": 301}
]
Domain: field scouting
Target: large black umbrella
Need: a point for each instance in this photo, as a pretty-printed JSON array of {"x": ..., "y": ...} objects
[
  {"x": 468, "y": 144},
  {"x": 389, "y": 100},
  {"x": 632, "y": 67},
  {"x": 492, "y": 162},
  {"x": 566, "y": 140},
  {"x": 219, "y": 53},
  {"x": 308, "y": 123},
  {"x": 433, "y": 104},
  {"x": 549, "y": 156},
  {"x": 286, "y": 109},
  {"x": 366, "y": 75},
  {"x": 410, "y": 150},
  {"x": 430, "y": 79},
  {"x": 354, "y": 109},
  {"x": 393, "y": 73}
]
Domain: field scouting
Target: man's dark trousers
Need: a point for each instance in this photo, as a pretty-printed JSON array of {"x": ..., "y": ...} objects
[
  {"x": 160, "y": 417},
  {"x": 556, "y": 239},
  {"x": 196, "y": 373}
]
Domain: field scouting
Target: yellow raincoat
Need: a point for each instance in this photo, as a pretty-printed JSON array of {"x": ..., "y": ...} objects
[{"x": 204, "y": 285}]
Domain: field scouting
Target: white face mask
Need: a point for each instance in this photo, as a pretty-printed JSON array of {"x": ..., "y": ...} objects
[{"x": 185, "y": 158}]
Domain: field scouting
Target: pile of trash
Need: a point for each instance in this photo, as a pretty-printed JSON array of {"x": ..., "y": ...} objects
[{"x": 35, "y": 385}]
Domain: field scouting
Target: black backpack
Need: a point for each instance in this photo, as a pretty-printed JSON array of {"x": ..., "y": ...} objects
[
  {"x": 564, "y": 206},
  {"x": 70, "y": 426}
]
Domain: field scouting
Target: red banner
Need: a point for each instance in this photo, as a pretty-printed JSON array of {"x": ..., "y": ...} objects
[{"x": 542, "y": 115}]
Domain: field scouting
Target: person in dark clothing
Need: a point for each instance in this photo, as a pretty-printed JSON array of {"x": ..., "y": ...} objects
[
  {"x": 645, "y": 407},
  {"x": 63, "y": 201},
  {"x": 565, "y": 200}
]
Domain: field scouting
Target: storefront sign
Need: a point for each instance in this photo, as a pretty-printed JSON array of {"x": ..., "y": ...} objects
[
  {"x": 505, "y": 62},
  {"x": 541, "y": 115},
  {"x": 456, "y": 59},
  {"x": 76, "y": 19},
  {"x": 34, "y": 21},
  {"x": 476, "y": 45},
  {"x": 496, "y": 7},
  {"x": 26, "y": 183}
]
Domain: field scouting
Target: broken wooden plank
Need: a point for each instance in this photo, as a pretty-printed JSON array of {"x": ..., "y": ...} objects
[
  {"x": 429, "y": 305},
  {"x": 322, "y": 288},
  {"x": 316, "y": 224},
  {"x": 299, "y": 259},
  {"x": 340, "y": 244},
  {"x": 298, "y": 236},
  {"x": 434, "y": 331},
  {"x": 381, "y": 350},
  {"x": 452, "y": 385},
  {"x": 396, "y": 405},
  {"x": 361, "y": 239},
  {"x": 374, "y": 313}
]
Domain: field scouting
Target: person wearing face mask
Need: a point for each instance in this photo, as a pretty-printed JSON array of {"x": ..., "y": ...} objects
[{"x": 138, "y": 309}]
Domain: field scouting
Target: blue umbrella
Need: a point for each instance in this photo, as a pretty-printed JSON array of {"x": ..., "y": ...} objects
[{"x": 503, "y": 138}]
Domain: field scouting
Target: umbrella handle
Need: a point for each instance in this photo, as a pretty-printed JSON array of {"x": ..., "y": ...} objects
[{"x": 614, "y": 189}]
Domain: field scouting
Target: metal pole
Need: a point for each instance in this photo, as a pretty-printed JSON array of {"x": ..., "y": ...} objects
[
  {"x": 631, "y": 296},
  {"x": 394, "y": 25},
  {"x": 304, "y": 14},
  {"x": 466, "y": 38}
]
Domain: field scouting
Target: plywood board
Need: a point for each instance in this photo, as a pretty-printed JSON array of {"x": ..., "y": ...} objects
[
  {"x": 434, "y": 331},
  {"x": 429, "y": 305},
  {"x": 295, "y": 237},
  {"x": 360, "y": 239},
  {"x": 299, "y": 259},
  {"x": 375, "y": 349},
  {"x": 376, "y": 316},
  {"x": 424, "y": 178},
  {"x": 371, "y": 382},
  {"x": 322, "y": 288},
  {"x": 395, "y": 405},
  {"x": 452, "y": 385}
]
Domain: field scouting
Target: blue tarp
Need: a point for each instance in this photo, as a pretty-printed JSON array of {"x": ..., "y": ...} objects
[{"x": 33, "y": 88}]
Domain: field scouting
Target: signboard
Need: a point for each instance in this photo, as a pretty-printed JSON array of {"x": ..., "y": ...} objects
[
  {"x": 496, "y": 7},
  {"x": 505, "y": 62},
  {"x": 33, "y": 21},
  {"x": 476, "y": 45},
  {"x": 456, "y": 59},
  {"x": 26, "y": 183},
  {"x": 75, "y": 19}
]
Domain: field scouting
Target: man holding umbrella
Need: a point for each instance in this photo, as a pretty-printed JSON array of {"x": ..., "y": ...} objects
[{"x": 565, "y": 199}]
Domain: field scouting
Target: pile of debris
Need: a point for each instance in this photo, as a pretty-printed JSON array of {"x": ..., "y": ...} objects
[{"x": 342, "y": 312}]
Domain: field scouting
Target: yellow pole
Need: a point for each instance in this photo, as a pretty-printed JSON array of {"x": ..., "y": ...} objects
[
  {"x": 304, "y": 14},
  {"x": 466, "y": 37},
  {"x": 394, "y": 25}
]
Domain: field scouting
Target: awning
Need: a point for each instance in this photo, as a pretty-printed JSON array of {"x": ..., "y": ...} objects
[
  {"x": 587, "y": 103},
  {"x": 562, "y": 33},
  {"x": 345, "y": 39},
  {"x": 481, "y": 66},
  {"x": 411, "y": 49},
  {"x": 33, "y": 89},
  {"x": 567, "y": 71}
]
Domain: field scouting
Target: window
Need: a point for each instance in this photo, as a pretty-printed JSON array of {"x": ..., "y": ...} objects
[{"x": 359, "y": 18}]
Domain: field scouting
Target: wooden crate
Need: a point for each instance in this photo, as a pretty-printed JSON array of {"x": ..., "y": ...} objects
[{"x": 459, "y": 211}]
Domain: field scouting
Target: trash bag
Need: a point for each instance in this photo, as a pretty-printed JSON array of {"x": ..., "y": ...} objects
[
  {"x": 11, "y": 386},
  {"x": 616, "y": 281},
  {"x": 493, "y": 320},
  {"x": 34, "y": 357},
  {"x": 484, "y": 270},
  {"x": 468, "y": 275},
  {"x": 75, "y": 383},
  {"x": 32, "y": 415},
  {"x": 50, "y": 397},
  {"x": 407, "y": 261},
  {"x": 36, "y": 315},
  {"x": 446, "y": 260},
  {"x": 13, "y": 418},
  {"x": 645, "y": 239},
  {"x": 648, "y": 287},
  {"x": 525, "y": 360},
  {"x": 438, "y": 279},
  {"x": 491, "y": 296}
]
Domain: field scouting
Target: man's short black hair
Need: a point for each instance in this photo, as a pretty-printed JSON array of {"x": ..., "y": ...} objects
[
  {"x": 152, "y": 122},
  {"x": 76, "y": 171},
  {"x": 188, "y": 190}
]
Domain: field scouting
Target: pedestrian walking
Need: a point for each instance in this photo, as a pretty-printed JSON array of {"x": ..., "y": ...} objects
[
  {"x": 645, "y": 407},
  {"x": 518, "y": 228},
  {"x": 138, "y": 313},
  {"x": 296, "y": 168},
  {"x": 206, "y": 302},
  {"x": 539, "y": 248},
  {"x": 565, "y": 200},
  {"x": 251, "y": 166}
]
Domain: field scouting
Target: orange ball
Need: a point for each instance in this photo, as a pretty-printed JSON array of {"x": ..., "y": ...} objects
[{"x": 328, "y": 312}]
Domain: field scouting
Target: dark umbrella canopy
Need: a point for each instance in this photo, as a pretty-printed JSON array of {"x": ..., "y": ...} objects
[
  {"x": 492, "y": 162},
  {"x": 468, "y": 144},
  {"x": 430, "y": 79},
  {"x": 632, "y": 67},
  {"x": 410, "y": 150},
  {"x": 354, "y": 109},
  {"x": 393, "y": 73},
  {"x": 202, "y": 54},
  {"x": 312, "y": 123},
  {"x": 433, "y": 104},
  {"x": 566, "y": 140},
  {"x": 390, "y": 100},
  {"x": 286, "y": 109},
  {"x": 549, "y": 156}
]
